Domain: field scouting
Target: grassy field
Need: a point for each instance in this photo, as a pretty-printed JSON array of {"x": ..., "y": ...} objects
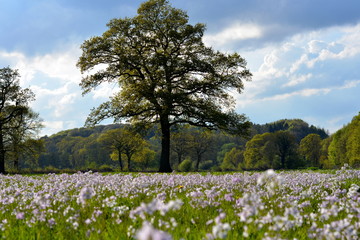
[{"x": 268, "y": 205}]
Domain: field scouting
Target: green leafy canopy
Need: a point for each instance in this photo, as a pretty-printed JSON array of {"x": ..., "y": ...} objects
[{"x": 164, "y": 71}]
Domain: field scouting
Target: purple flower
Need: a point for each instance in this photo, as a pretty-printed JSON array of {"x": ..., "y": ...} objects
[
  {"x": 85, "y": 194},
  {"x": 147, "y": 232},
  {"x": 20, "y": 215}
]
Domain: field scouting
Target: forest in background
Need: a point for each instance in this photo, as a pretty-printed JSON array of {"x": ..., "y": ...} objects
[{"x": 284, "y": 144}]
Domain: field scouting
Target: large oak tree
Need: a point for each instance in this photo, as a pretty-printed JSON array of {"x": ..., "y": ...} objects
[{"x": 165, "y": 73}]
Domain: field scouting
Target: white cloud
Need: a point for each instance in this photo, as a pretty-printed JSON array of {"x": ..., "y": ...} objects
[
  {"x": 52, "y": 127},
  {"x": 235, "y": 32},
  {"x": 104, "y": 91},
  {"x": 297, "y": 79},
  {"x": 292, "y": 74},
  {"x": 304, "y": 93},
  {"x": 308, "y": 92},
  {"x": 43, "y": 92},
  {"x": 297, "y": 64},
  {"x": 60, "y": 65},
  {"x": 64, "y": 105},
  {"x": 316, "y": 46},
  {"x": 350, "y": 84}
]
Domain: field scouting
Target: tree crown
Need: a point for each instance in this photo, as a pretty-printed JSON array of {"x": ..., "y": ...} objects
[{"x": 164, "y": 71}]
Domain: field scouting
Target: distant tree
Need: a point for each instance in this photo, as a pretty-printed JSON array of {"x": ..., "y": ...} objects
[
  {"x": 297, "y": 127},
  {"x": 353, "y": 142},
  {"x": 337, "y": 148},
  {"x": 272, "y": 150},
  {"x": 181, "y": 143},
  {"x": 185, "y": 166},
  {"x": 145, "y": 158},
  {"x": 123, "y": 141},
  {"x": 287, "y": 149},
  {"x": 22, "y": 134},
  {"x": 223, "y": 150},
  {"x": 344, "y": 146},
  {"x": 233, "y": 160},
  {"x": 324, "y": 159},
  {"x": 261, "y": 152},
  {"x": 13, "y": 103},
  {"x": 201, "y": 142},
  {"x": 31, "y": 151},
  {"x": 310, "y": 148},
  {"x": 67, "y": 149},
  {"x": 165, "y": 73}
]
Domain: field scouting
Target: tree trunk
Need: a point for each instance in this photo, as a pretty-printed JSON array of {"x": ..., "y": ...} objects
[
  {"x": 129, "y": 162},
  {"x": 282, "y": 157},
  {"x": 165, "y": 145},
  {"x": 16, "y": 163},
  {"x": 2, "y": 152},
  {"x": 198, "y": 162},
  {"x": 120, "y": 161}
]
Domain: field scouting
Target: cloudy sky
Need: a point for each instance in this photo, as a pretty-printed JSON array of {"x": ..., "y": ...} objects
[{"x": 304, "y": 55}]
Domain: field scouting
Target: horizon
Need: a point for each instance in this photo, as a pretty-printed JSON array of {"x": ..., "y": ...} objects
[{"x": 303, "y": 67}]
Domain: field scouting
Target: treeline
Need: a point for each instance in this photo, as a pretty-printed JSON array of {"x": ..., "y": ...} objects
[
  {"x": 284, "y": 144},
  {"x": 119, "y": 147},
  {"x": 344, "y": 146}
]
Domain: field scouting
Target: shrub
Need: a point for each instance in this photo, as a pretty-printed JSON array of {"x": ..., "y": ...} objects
[
  {"x": 105, "y": 168},
  {"x": 185, "y": 166},
  {"x": 313, "y": 168},
  {"x": 51, "y": 169},
  {"x": 215, "y": 169},
  {"x": 206, "y": 165}
]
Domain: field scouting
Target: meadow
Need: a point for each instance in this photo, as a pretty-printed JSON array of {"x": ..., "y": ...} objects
[{"x": 244, "y": 205}]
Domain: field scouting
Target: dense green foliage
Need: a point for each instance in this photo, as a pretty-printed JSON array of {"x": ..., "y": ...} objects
[
  {"x": 345, "y": 145},
  {"x": 91, "y": 148},
  {"x": 98, "y": 148}
]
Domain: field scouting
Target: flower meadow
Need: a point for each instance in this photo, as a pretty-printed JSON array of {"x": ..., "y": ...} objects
[{"x": 145, "y": 206}]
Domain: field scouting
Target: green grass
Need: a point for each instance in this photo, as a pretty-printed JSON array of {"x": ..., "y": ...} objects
[{"x": 277, "y": 208}]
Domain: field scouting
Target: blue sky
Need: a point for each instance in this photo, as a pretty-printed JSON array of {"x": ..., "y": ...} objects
[{"x": 304, "y": 55}]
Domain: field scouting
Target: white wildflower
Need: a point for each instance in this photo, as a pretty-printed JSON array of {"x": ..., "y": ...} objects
[
  {"x": 86, "y": 193},
  {"x": 148, "y": 232}
]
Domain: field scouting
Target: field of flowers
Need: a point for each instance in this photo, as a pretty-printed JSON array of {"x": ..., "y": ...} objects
[{"x": 268, "y": 205}]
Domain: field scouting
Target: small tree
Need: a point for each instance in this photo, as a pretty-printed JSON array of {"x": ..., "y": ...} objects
[
  {"x": 145, "y": 158},
  {"x": 233, "y": 160},
  {"x": 201, "y": 142},
  {"x": 166, "y": 74},
  {"x": 13, "y": 109},
  {"x": 181, "y": 143},
  {"x": 286, "y": 147},
  {"x": 22, "y": 132},
  {"x": 223, "y": 150},
  {"x": 31, "y": 151},
  {"x": 261, "y": 152},
  {"x": 122, "y": 141},
  {"x": 310, "y": 148}
]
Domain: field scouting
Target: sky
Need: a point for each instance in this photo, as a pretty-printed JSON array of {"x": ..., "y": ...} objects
[{"x": 304, "y": 54}]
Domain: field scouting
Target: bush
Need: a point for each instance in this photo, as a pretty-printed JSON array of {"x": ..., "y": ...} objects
[
  {"x": 215, "y": 169},
  {"x": 51, "y": 169},
  {"x": 206, "y": 165},
  {"x": 185, "y": 166},
  {"x": 313, "y": 168},
  {"x": 105, "y": 168},
  {"x": 226, "y": 166},
  {"x": 68, "y": 170}
]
